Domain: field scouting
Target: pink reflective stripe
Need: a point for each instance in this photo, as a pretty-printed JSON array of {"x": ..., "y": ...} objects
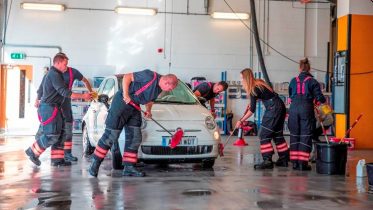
[
  {"x": 71, "y": 78},
  {"x": 266, "y": 150},
  {"x": 101, "y": 150},
  {"x": 129, "y": 159},
  {"x": 264, "y": 146},
  {"x": 282, "y": 149},
  {"x": 282, "y": 145},
  {"x": 99, "y": 154},
  {"x": 139, "y": 91},
  {"x": 293, "y": 157},
  {"x": 303, "y": 90},
  {"x": 304, "y": 154},
  {"x": 130, "y": 154},
  {"x": 36, "y": 149},
  {"x": 68, "y": 143},
  {"x": 298, "y": 85},
  {"x": 54, "y": 114},
  {"x": 57, "y": 152},
  {"x": 304, "y": 84}
]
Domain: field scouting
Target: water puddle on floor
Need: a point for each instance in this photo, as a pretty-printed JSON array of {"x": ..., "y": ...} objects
[
  {"x": 269, "y": 204},
  {"x": 54, "y": 199},
  {"x": 198, "y": 192}
]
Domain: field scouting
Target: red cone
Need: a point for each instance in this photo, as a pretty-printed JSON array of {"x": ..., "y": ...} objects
[
  {"x": 176, "y": 138},
  {"x": 240, "y": 142}
]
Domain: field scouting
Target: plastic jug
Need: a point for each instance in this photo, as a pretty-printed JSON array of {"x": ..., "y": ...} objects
[{"x": 361, "y": 169}]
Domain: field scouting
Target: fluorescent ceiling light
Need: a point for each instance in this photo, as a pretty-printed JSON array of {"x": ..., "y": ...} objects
[
  {"x": 46, "y": 7},
  {"x": 135, "y": 11},
  {"x": 231, "y": 16}
]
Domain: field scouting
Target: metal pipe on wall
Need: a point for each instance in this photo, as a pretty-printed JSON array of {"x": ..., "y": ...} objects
[{"x": 257, "y": 42}]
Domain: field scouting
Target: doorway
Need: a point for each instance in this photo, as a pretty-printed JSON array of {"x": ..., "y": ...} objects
[{"x": 17, "y": 105}]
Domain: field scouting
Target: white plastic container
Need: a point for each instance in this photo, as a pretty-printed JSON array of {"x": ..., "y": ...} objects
[{"x": 361, "y": 169}]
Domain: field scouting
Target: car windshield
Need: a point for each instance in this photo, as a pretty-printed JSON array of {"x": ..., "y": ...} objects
[{"x": 180, "y": 95}]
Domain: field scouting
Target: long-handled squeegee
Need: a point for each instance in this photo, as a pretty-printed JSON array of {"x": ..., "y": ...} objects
[{"x": 175, "y": 138}]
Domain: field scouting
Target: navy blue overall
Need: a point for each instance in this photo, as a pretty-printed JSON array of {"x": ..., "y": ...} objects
[
  {"x": 206, "y": 90},
  {"x": 302, "y": 91},
  {"x": 69, "y": 76},
  {"x": 50, "y": 116},
  {"x": 142, "y": 90},
  {"x": 272, "y": 129}
]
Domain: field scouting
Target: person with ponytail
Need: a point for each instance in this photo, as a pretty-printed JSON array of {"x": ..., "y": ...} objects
[
  {"x": 303, "y": 91},
  {"x": 272, "y": 122}
]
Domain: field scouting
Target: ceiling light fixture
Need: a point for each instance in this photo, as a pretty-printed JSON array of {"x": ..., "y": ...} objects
[
  {"x": 230, "y": 16},
  {"x": 135, "y": 11},
  {"x": 45, "y": 7}
]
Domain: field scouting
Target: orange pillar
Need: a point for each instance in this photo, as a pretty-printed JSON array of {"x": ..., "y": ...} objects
[
  {"x": 3, "y": 75},
  {"x": 361, "y": 79}
]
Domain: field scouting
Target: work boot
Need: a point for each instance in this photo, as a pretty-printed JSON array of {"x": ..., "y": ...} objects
[
  {"x": 70, "y": 157},
  {"x": 32, "y": 157},
  {"x": 61, "y": 163},
  {"x": 304, "y": 167},
  {"x": 95, "y": 165},
  {"x": 131, "y": 170},
  {"x": 266, "y": 164},
  {"x": 296, "y": 166},
  {"x": 282, "y": 162}
]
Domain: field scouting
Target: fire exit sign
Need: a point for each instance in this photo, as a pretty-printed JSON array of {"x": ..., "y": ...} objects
[{"x": 17, "y": 55}]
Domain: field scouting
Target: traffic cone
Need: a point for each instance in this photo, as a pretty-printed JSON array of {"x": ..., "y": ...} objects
[{"x": 240, "y": 142}]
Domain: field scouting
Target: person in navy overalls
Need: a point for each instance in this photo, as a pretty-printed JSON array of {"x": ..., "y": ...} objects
[
  {"x": 50, "y": 114},
  {"x": 68, "y": 76},
  {"x": 141, "y": 87},
  {"x": 208, "y": 91},
  {"x": 272, "y": 123},
  {"x": 303, "y": 90}
]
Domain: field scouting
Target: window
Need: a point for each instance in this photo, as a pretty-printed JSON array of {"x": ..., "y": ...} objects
[
  {"x": 101, "y": 87},
  {"x": 180, "y": 95},
  {"x": 108, "y": 88}
]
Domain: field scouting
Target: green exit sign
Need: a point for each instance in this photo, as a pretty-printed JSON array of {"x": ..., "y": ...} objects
[{"x": 17, "y": 55}]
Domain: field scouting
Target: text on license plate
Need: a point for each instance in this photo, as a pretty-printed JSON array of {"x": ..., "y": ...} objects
[{"x": 185, "y": 141}]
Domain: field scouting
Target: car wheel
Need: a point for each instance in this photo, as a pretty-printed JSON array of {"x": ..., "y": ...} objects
[
  {"x": 87, "y": 148},
  {"x": 116, "y": 157},
  {"x": 208, "y": 163}
]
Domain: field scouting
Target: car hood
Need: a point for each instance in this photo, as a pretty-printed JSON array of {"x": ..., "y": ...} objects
[{"x": 179, "y": 112}]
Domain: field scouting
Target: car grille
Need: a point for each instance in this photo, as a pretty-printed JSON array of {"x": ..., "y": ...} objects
[{"x": 183, "y": 150}]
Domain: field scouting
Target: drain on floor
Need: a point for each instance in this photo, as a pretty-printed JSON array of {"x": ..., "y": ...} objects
[
  {"x": 198, "y": 192},
  {"x": 269, "y": 204}
]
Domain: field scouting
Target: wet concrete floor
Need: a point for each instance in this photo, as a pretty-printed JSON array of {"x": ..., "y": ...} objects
[{"x": 231, "y": 184}]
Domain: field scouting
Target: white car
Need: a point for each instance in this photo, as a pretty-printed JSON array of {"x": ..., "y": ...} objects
[{"x": 178, "y": 108}]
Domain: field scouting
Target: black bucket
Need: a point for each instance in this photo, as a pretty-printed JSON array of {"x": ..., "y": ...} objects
[
  {"x": 370, "y": 173},
  {"x": 331, "y": 158}
]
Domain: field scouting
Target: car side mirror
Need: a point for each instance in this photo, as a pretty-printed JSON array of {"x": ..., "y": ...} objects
[{"x": 103, "y": 98}]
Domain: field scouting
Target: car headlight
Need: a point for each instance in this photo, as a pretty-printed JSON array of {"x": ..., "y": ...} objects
[
  {"x": 216, "y": 135},
  {"x": 210, "y": 123}
]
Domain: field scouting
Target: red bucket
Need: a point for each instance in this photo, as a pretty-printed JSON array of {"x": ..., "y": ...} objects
[
  {"x": 350, "y": 142},
  {"x": 335, "y": 139}
]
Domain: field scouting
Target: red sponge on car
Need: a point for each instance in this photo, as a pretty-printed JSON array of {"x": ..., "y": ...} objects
[{"x": 176, "y": 138}]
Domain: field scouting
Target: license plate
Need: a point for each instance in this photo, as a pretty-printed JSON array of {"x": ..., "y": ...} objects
[{"x": 185, "y": 141}]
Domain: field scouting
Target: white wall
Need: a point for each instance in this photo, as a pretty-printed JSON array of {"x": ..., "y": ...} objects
[
  {"x": 362, "y": 7},
  {"x": 103, "y": 42}
]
